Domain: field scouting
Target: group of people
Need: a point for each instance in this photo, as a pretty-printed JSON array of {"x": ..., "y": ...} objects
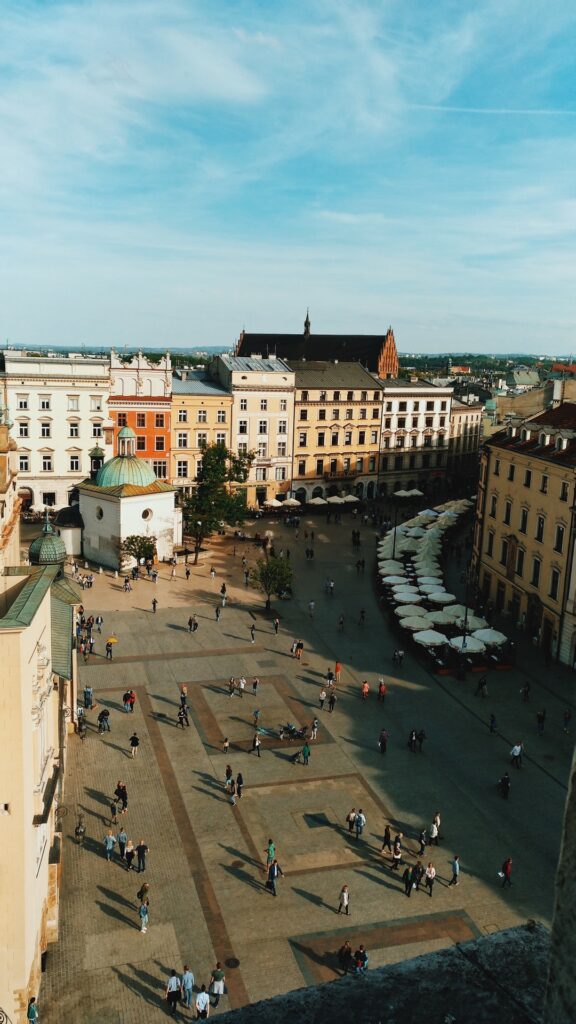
[{"x": 181, "y": 989}]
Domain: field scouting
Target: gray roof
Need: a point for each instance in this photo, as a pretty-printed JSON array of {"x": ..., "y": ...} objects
[
  {"x": 247, "y": 363},
  {"x": 197, "y": 383},
  {"x": 321, "y": 374}
]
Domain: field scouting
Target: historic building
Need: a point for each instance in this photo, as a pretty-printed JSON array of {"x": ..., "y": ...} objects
[
  {"x": 201, "y": 414},
  {"x": 59, "y": 405},
  {"x": 414, "y": 436},
  {"x": 337, "y": 421},
  {"x": 262, "y": 414},
  {"x": 524, "y": 534},
  {"x": 464, "y": 443},
  {"x": 140, "y": 398},
  {"x": 10, "y": 503},
  {"x": 377, "y": 353}
]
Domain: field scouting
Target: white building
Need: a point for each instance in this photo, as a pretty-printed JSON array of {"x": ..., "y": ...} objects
[
  {"x": 59, "y": 405},
  {"x": 414, "y": 436},
  {"x": 262, "y": 419}
]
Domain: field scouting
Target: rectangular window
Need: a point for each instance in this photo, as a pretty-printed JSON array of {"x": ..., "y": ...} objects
[
  {"x": 554, "y": 583},
  {"x": 140, "y": 419},
  {"x": 159, "y": 444},
  {"x": 375, "y": 413},
  {"x": 493, "y": 506},
  {"x": 140, "y": 443},
  {"x": 439, "y": 458},
  {"x": 262, "y": 426},
  {"x": 283, "y": 405},
  {"x": 74, "y": 463},
  {"x": 411, "y": 461},
  {"x": 304, "y": 396},
  {"x": 321, "y": 414},
  {"x": 242, "y": 426},
  {"x": 159, "y": 419},
  {"x": 202, "y": 416},
  {"x": 349, "y": 396},
  {"x": 198, "y": 467},
  {"x": 490, "y": 543},
  {"x": 122, "y": 419},
  {"x": 359, "y": 465},
  {"x": 302, "y": 438},
  {"x": 96, "y": 430},
  {"x": 22, "y": 401},
  {"x": 425, "y": 460},
  {"x": 440, "y": 441},
  {"x": 402, "y": 406},
  {"x": 523, "y": 520},
  {"x": 398, "y": 461},
  {"x": 429, "y": 406},
  {"x": 384, "y": 464},
  {"x": 511, "y": 472},
  {"x": 49, "y": 498},
  {"x": 160, "y": 468},
  {"x": 348, "y": 414},
  {"x": 282, "y": 426},
  {"x": 95, "y": 403},
  {"x": 539, "y": 535},
  {"x": 301, "y": 467},
  {"x": 261, "y": 473},
  {"x": 372, "y": 464},
  {"x": 504, "y": 552},
  {"x": 335, "y": 414},
  {"x": 427, "y": 441},
  {"x": 262, "y": 450},
  {"x": 401, "y": 425},
  {"x": 362, "y": 414},
  {"x": 221, "y": 416},
  {"x": 220, "y": 438},
  {"x": 333, "y": 465},
  {"x": 527, "y": 477},
  {"x": 319, "y": 467},
  {"x": 73, "y": 403},
  {"x": 544, "y": 484},
  {"x": 23, "y": 430},
  {"x": 182, "y": 416},
  {"x": 559, "y": 539},
  {"x": 347, "y": 437},
  {"x": 363, "y": 396},
  {"x": 321, "y": 439},
  {"x": 373, "y": 437},
  {"x": 520, "y": 562},
  {"x": 242, "y": 447},
  {"x": 182, "y": 467},
  {"x": 281, "y": 448},
  {"x": 361, "y": 437},
  {"x": 443, "y": 406},
  {"x": 280, "y": 472},
  {"x": 346, "y": 465},
  {"x": 201, "y": 439},
  {"x": 322, "y": 396},
  {"x": 182, "y": 439},
  {"x": 536, "y": 563},
  {"x": 45, "y": 429},
  {"x": 263, "y": 405},
  {"x": 563, "y": 491},
  {"x": 497, "y": 467},
  {"x": 507, "y": 512},
  {"x": 46, "y": 463},
  {"x": 45, "y": 402},
  {"x": 303, "y": 414},
  {"x": 334, "y": 438},
  {"x": 24, "y": 463},
  {"x": 243, "y": 404}
]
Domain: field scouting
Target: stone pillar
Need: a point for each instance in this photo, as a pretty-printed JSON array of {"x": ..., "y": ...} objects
[{"x": 560, "y": 1003}]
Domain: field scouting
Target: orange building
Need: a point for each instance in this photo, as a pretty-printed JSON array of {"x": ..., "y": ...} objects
[{"x": 140, "y": 398}]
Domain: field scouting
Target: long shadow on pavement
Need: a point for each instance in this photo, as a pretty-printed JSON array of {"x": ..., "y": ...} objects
[
  {"x": 141, "y": 990},
  {"x": 244, "y": 877},
  {"x": 111, "y": 895},
  {"x": 111, "y": 911}
]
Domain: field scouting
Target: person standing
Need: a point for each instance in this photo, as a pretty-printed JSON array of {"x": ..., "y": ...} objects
[
  {"x": 422, "y": 839},
  {"x": 433, "y": 841},
  {"x": 387, "y": 840},
  {"x": 122, "y": 838},
  {"x": 202, "y": 1004},
  {"x": 256, "y": 743},
  {"x": 273, "y": 871},
  {"x": 567, "y": 718},
  {"x": 299, "y": 650},
  {"x": 141, "y": 851},
  {"x": 142, "y": 893},
  {"x": 345, "y": 957},
  {"x": 241, "y": 686},
  {"x": 506, "y": 873},
  {"x": 381, "y": 690},
  {"x": 130, "y": 853},
  {"x": 344, "y": 901},
  {"x": 407, "y": 879},
  {"x": 332, "y": 700},
  {"x": 417, "y": 874},
  {"x": 108, "y": 651},
  {"x": 276, "y": 625},
  {"x": 183, "y": 715},
  {"x": 359, "y": 822},
  {"x": 455, "y": 865},
  {"x": 187, "y": 986},
  {"x": 143, "y": 915},
  {"x": 338, "y": 671},
  {"x": 134, "y": 743},
  {"x": 383, "y": 741},
  {"x": 218, "y": 612},
  {"x": 190, "y": 624},
  {"x": 109, "y": 844},
  {"x": 239, "y": 784},
  {"x": 396, "y": 855},
  {"x": 311, "y": 608},
  {"x": 252, "y": 634},
  {"x": 32, "y": 1011},
  {"x": 232, "y": 791},
  {"x": 516, "y": 755},
  {"x": 351, "y": 818},
  {"x": 430, "y": 874},
  {"x": 314, "y": 728},
  {"x": 492, "y": 723},
  {"x": 270, "y": 852},
  {"x": 99, "y": 623},
  {"x": 154, "y": 605},
  {"x": 173, "y": 991},
  {"x": 228, "y": 776},
  {"x": 217, "y": 982},
  {"x": 306, "y": 752},
  {"x": 255, "y": 685},
  {"x": 322, "y": 698},
  {"x": 525, "y": 693}
]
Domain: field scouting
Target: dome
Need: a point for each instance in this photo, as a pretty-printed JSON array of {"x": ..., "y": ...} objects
[
  {"x": 126, "y": 432},
  {"x": 48, "y": 548},
  {"x": 125, "y": 469}
]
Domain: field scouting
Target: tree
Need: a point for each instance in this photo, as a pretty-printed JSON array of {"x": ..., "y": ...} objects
[
  {"x": 213, "y": 501},
  {"x": 272, "y": 576},
  {"x": 139, "y": 547}
]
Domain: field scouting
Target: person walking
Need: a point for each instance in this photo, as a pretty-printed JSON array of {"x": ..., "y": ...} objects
[
  {"x": 130, "y": 854},
  {"x": 255, "y": 685},
  {"x": 173, "y": 991},
  {"x": 311, "y": 608},
  {"x": 141, "y": 851},
  {"x": 506, "y": 873},
  {"x": 134, "y": 743},
  {"x": 351, "y": 818},
  {"x": 407, "y": 879},
  {"x": 99, "y": 623},
  {"x": 122, "y": 839},
  {"x": 276, "y": 624},
  {"x": 338, "y": 671},
  {"x": 516, "y": 755},
  {"x": 430, "y": 875},
  {"x": 231, "y": 686},
  {"x": 433, "y": 841},
  {"x": 252, "y": 634},
  {"x": 273, "y": 871},
  {"x": 299, "y": 650},
  {"x": 113, "y": 812},
  {"x": 567, "y": 718},
  {"x": 228, "y": 774},
  {"x": 104, "y": 721},
  {"x": 270, "y": 852},
  {"x": 217, "y": 982},
  {"x": 314, "y": 728},
  {"x": 332, "y": 700},
  {"x": 202, "y": 1004},
  {"x": 225, "y": 745},
  {"x": 417, "y": 875},
  {"x": 383, "y": 740},
  {"x": 109, "y": 844},
  {"x": 122, "y": 793},
  {"x": 142, "y": 893},
  {"x": 422, "y": 839},
  {"x": 212, "y": 573},
  {"x": 143, "y": 914},
  {"x": 344, "y": 901},
  {"x": 218, "y": 612},
  {"x": 256, "y": 742},
  {"x": 183, "y": 715},
  {"x": 32, "y": 1011},
  {"x": 322, "y": 698},
  {"x": 525, "y": 693},
  {"x": 187, "y": 986},
  {"x": 190, "y": 624},
  {"x": 345, "y": 957},
  {"x": 396, "y": 855},
  {"x": 359, "y": 823},
  {"x": 340, "y": 623},
  {"x": 455, "y": 865},
  {"x": 482, "y": 687},
  {"x": 306, "y": 752},
  {"x": 154, "y": 605},
  {"x": 255, "y": 717},
  {"x": 387, "y": 840},
  {"x": 540, "y": 720},
  {"x": 241, "y": 687},
  {"x": 131, "y": 701},
  {"x": 108, "y": 649},
  {"x": 187, "y": 573},
  {"x": 382, "y": 690},
  {"x": 232, "y": 791},
  {"x": 239, "y": 784}
]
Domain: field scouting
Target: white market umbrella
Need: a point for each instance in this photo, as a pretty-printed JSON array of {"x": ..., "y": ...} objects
[
  {"x": 430, "y": 638},
  {"x": 490, "y": 637},
  {"x": 428, "y": 571},
  {"x": 317, "y": 501},
  {"x": 416, "y": 531},
  {"x": 391, "y": 581},
  {"x": 407, "y": 598},
  {"x": 444, "y": 617},
  {"x": 408, "y": 609},
  {"x": 292, "y": 502},
  {"x": 473, "y": 622},
  {"x": 273, "y": 503},
  {"x": 334, "y": 499},
  {"x": 392, "y": 564},
  {"x": 431, "y": 588},
  {"x": 430, "y": 513},
  {"x": 415, "y": 623},
  {"x": 467, "y": 644},
  {"x": 431, "y": 580},
  {"x": 405, "y": 588},
  {"x": 441, "y": 597},
  {"x": 351, "y": 499},
  {"x": 459, "y": 610}
]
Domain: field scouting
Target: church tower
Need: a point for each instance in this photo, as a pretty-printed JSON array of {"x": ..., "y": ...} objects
[{"x": 388, "y": 363}]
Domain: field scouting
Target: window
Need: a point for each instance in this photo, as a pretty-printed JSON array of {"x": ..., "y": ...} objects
[
  {"x": 263, "y": 405},
  {"x": 201, "y": 439},
  {"x": 559, "y": 539},
  {"x": 242, "y": 426},
  {"x": 376, "y": 396},
  {"x": 159, "y": 444},
  {"x": 362, "y": 414},
  {"x": 412, "y": 460},
  {"x": 443, "y": 406},
  {"x": 348, "y": 414},
  {"x": 48, "y": 498},
  {"x": 527, "y": 477},
  {"x": 159, "y": 419},
  {"x": 439, "y": 458},
  {"x": 321, "y": 439},
  {"x": 384, "y": 463},
  {"x": 336, "y": 396},
  {"x": 416, "y": 407},
  {"x": 280, "y": 472},
  {"x": 243, "y": 404},
  {"x": 333, "y": 465},
  {"x": 262, "y": 426},
  {"x": 24, "y": 463},
  {"x": 334, "y": 438},
  {"x": 95, "y": 403},
  {"x": 554, "y": 583},
  {"x": 429, "y": 422},
  {"x": 282, "y": 426},
  {"x": 563, "y": 491},
  {"x": 401, "y": 423},
  {"x": 302, "y": 439},
  {"x": 96, "y": 430},
  {"x": 504, "y": 552},
  {"x": 349, "y": 396},
  {"x": 520, "y": 562},
  {"x": 359, "y": 465},
  {"x": 539, "y": 535},
  {"x": 497, "y": 467},
  {"x": 281, "y": 448},
  {"x": 403, "y": 407},
  {"x": 442, "y": 421},
  {"x": 322, "y": 396},
  {"x": 262, "y": 450},
  {"x": 536, "y": 563},
  {"x": 221, "y": 416},
  {"x": 427, "y": 441},
  {"x": 361, "y": 437},
  {"x": 160, "y": 468},
  {"x": 122, "y": 419},
  {"x": 283, "y": 405},
  {"x": 373, "y": 437},
  {"x": 388, "y": 423},
  {"x": 182, "y": 439},
  {"x": 140, "y": 443},
  {"x": 490, "y": 543},
  {"x": 429, "y": 406},
  {"x": 523, "y": 520},
  {"x": 304, "y": 396},
  {"x": 22, "y": 401},
  {"x": 319, "y": 467},
  {"x": 398, "y": 461},
  {"x": 364, "y": 396},
  {"x": 242, "y": 447},
  {"x": 425, "y": 460},
  {"x": 347, "y": 437},
  {"x": 413, "y": 442},
  {"x": 261, "y": 473},
  {"x": 335, "y": 414},
  {"x": 303, "y": 414},
  {"x": 198, "y": 467},
  {"x": 346, "y": 465},
  {"x": 74, "y": 463},
  {"x": 511, "y": 472},
  {"x": 301, "y": 467},
  {"x": 202, "y": 416},
  {"x": 45, "y": 429},
  {"x": 544, "y": 484},
  {"x": 220, "y": 438},
  {"x": 182, "y": 416},
  {"x": 45, "y": 402},
  {"x": 507, "y": 512},
  {"x": 375, "y": 413},
  {"x": 440, "y": 441},
  {"x": 182, "y": 467},
  {"x": 140, "y": 419},
  {"x": 23, "y": 430},
  {"x": 321, "y": 414},
  {"x": 73, "y": 403},
  {"x": 493, "y": 506},
  {"x": 46, "y": 463}
]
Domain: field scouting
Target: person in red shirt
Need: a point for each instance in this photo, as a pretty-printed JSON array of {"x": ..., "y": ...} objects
[
  {"x": 507, "y": 873},
  {"x": 382, "y": 690},
  {"x": 337, "y": 671}
]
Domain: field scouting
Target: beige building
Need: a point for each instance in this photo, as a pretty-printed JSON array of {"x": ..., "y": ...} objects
[
  {"x": 201, "y": 415},
  {"x": 524, "y": 535},
  {"x": 10, "y": 503},
  {"x": 464, "y": 442},
  {"x": 262, "y": 415},
  {"x": 415, "y": 434},
  {"x": 37, "y": 698},
  {"x": 337, "y": 416}
]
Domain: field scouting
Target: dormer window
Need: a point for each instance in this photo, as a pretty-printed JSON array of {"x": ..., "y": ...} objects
[{"x": 542, "y": 440}]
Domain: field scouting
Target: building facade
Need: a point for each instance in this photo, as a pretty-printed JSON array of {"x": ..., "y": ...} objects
[
  {"x": 414, "y": 436},
  {"x": 10, "y": 503},
  {"x": 201, "y": 414},
  {"x": 262, "y": 415},
  {"x": 464, "y": 443},
  {"x": 59, "y": 405},
  {"x": 140, "y": 398},
  {"x": 524, "y": 533},
  {"x": 337, "y": 421}
]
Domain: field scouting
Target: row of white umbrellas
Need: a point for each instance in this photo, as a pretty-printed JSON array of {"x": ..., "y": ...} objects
[{"x": 334, "y": 499}]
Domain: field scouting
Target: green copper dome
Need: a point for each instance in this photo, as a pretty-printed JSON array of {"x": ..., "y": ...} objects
[
  {"x": 48, "y": 548},
  {"x": 125, "y": 469}
]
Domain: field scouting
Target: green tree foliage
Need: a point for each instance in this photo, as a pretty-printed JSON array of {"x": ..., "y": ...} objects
[
  {"x": 139, "y": 547},
  {"x": 272, "y": 576},
  {"x": 214, "y": 500}
]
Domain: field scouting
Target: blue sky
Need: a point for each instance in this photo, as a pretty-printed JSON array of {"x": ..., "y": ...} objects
[{"x": 173, "y": 171}]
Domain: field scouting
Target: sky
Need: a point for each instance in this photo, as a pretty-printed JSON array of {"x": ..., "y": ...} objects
[{"x": 172, "y": 172}]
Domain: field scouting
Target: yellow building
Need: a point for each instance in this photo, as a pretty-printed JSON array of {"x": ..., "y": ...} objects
[
  {"x": 337, "y": 421},
  {"x": 524, "y": 535},
  {"x": 464, "y": 442},
  {"x": 10, "y": 503},
  {"x": 201, "y": 415}
]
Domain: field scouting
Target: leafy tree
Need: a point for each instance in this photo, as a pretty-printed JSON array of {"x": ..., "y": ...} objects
[
  {"x": 214, "y": 501},
  {"x": 138, "y": 547},
  {"x": 273, "y": 576}
]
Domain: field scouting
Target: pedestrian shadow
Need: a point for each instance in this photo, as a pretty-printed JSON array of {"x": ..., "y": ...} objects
[
  {"x": 135, "y": 986},
  {"x": 114, "y": 746},
  {"x": 165, "y": 700},
  {"x": 326, "y": 959},
  {"x": 111, "y": 911},
  {"x": 207, "y": 792},
  {"x": 180, "y": 629},
  {"x": 116, "y": 897},
  {"x": 380, "y": 880},
  {"x": 97, "y": 795},
  {"x": 115, "y": 705},
  {"x": 163, "y": 719},
  {"x": 209, "y": 780},
  {"x": 312, "y": 897},
  {"x": 94, "y": 814},
  {"x": 243, "y": 876}
]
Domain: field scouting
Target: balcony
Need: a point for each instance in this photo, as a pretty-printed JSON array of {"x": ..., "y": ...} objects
[{"x": 341, "y": 474}]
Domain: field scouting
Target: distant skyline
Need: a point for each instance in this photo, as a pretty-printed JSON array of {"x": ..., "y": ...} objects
[{"x": 175, "y": 171}]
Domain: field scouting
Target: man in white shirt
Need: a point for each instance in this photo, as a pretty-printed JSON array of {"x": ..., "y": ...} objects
[
  {"x": 202, "y": 1004},
  {"x": 173, "y": 991}
]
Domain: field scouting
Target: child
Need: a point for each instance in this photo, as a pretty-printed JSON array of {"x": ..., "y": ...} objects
[{"x": 225, "y": 745}]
